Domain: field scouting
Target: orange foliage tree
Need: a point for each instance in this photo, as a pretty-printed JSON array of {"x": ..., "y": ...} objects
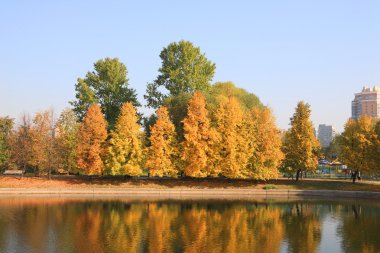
[
  {"x": 125, "y": 146},
  {"x": 234, "y": 147},
  {"x": 91, "y": 138},
  {"x": 163, "y": 152},
  {"x": 199, "y": 139}
]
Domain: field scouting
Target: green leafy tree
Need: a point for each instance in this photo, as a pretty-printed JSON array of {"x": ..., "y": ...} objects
[
  {"x": 108, "y": 86},
  {"x": 125, "y": 145},
  {"x": 184, "y": 70},
  {"x": 300, "y": 146},
  {"x": 6, "y": 127}
]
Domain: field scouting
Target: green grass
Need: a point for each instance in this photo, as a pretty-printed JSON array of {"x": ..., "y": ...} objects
[{"x": 269, "y": 186}]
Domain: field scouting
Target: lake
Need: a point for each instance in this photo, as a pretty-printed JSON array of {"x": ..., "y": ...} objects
[{"x": 73, "y": 224}]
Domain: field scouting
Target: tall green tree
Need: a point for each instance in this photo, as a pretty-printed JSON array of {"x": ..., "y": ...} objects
[
  {"x": 301, "y": 147},
  {"x": 6, "y": 127},
  {"x": 108, "y": 86},
  {"x": 184, "y": 70},
  {"x": 125, "y": 145}
]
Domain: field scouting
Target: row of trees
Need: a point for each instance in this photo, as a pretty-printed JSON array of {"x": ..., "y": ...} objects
[
  {"x": 198, "y": 130},
  {"x": 233, "y": 143}
]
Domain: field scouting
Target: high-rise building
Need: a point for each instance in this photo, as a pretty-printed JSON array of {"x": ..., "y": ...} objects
[
  {"x": 366, "y": 102},
  {"x": 325, "y": 135}
]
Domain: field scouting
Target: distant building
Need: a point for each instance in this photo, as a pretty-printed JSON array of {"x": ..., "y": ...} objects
[
  {"x": 326, "y": 134},
  {"x": 366, "y": 102}
]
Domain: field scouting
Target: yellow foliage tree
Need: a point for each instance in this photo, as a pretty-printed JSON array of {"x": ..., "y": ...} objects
[
  {"x": 300, "y": 146},
  {"x": 199, "y": 139},
  {"x": 356, "y": 145},
  {"x": 92, "y": 135},
  {"x": 234, "y": 146},
  {"x": 163, "y": 152},
  {"x": 125, "y": 145},
  {"x": 266, "y": 141},
  {"x": 42, "y": 149}
]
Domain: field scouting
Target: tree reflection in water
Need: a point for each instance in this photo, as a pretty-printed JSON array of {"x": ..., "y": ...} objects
[{"x": 61, "y": 225}]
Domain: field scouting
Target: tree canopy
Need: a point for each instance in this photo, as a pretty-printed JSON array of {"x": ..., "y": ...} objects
[
  {"x": 222, "y": 91},
  {"x": 184, "y": 69},
  {"x": 108, "y": 86}
]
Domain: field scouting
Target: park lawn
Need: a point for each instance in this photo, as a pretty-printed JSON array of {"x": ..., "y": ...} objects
[{"x": 81, "y": 182}]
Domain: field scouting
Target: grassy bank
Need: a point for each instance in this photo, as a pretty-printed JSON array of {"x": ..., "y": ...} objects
[{"x": 81, "y": 182}]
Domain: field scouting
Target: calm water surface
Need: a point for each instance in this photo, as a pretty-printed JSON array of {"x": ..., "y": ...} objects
[{"x": 158, "y": 225}]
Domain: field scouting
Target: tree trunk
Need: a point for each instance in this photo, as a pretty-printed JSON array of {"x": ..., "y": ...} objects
[
  {"x": 355, "y": 175},
  {"x": 299, "y": 171}
]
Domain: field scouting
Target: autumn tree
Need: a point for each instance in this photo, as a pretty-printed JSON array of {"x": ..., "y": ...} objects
[
  {"x": 6, "y": 127},
  {"x": 91, "y": 137},
  {"x": 376, "y": 146},
  {"x": 108, "y": 86},
  {"x": 199, "y": 139},
  {"x": 125, "y": 145},
  {"x": 184, "y": 70},
  {"x": 356, "y": 145},
  {"x": 21, "y": 143},
  {"x": 66, "y": 128},
  {"x": 264, "y": 138},
  {"x": 163, "y": 157},
  {"x": 234, "y": 147},
  {"x": 300, "y": 145},
  {"x": 43, "y": 138}
]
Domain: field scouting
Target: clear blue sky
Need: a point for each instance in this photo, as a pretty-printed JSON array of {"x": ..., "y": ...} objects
[{"x": 321, "y": 52}]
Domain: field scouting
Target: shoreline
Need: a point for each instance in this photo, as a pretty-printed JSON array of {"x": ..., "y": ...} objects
[{"x": 175, "y": 193}]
